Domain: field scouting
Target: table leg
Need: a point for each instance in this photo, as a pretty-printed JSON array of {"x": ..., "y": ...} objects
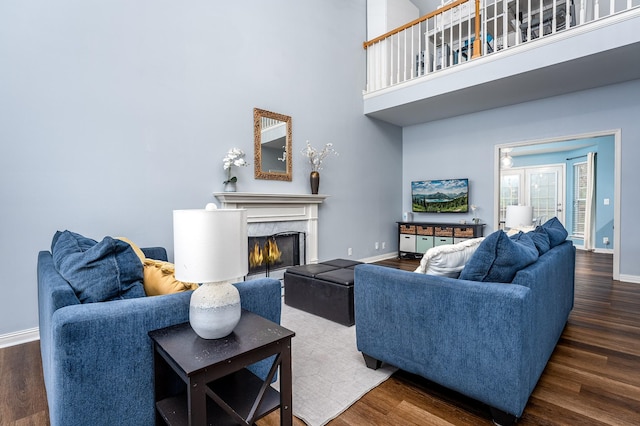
[
  {"x": 197, "y": 402},
  {"x": 286, "y": 395}
]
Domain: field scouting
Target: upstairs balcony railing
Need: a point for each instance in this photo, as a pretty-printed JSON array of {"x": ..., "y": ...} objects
[{"x": 451, "y": 35}]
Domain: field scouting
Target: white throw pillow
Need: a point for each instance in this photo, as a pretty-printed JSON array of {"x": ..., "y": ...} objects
[{"x": 448, "y": 260}]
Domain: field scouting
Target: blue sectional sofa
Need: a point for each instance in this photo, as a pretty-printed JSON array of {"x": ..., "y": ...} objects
[
  {"x": 488, "y": 340},
  {"x": 97, "y": 357}
]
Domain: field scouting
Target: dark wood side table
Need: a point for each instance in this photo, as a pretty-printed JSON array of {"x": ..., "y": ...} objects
[{"x": 215, "y": 386}]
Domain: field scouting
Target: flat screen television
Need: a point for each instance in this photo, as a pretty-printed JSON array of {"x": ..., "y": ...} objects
[{"x": 440, "y": 196}]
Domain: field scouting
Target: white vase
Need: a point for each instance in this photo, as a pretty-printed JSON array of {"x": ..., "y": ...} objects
[
  {"x": 214, "y": 310},
  {"x": 230, "y": 187}
]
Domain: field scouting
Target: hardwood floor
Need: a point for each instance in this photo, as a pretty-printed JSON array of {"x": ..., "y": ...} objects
[
  {"x": 593, "y": 377},
  {"x": 23, "y": 401}
]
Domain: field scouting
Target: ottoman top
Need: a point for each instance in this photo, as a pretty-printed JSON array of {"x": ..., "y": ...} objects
[
  {"x": 338, "y": 276},
  {"x": 341, "y": 263},
  {"x": 310, "y": 270}
]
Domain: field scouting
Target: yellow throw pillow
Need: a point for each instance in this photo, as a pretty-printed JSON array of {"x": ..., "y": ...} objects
[
  {"x": 159, "y": 276},
  {"x": 134, "y": 247}
]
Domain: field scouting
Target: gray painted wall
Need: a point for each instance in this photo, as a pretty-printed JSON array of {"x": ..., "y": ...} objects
[
  {"x": 112, "y": 114},
  {"x": 464, "y": 147}
]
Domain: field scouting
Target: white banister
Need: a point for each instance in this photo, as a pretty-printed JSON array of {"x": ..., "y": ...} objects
[{"x": 461, "y": 30}]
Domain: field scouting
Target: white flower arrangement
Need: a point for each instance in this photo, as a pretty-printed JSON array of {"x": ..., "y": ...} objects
[
  {"x": 317, "y": 157},
  {"x": 235, "y": 157}
]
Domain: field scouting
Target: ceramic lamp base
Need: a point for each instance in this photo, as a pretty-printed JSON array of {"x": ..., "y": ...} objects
[{"x": 214, "y": 310}]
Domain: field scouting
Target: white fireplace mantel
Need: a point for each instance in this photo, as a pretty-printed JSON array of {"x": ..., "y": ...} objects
[{"x": 265, "y": 208}]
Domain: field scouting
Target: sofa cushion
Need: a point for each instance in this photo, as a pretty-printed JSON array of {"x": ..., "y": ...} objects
[
  {"x": 499, "y": 258},
  {"x": 449, "y": 259},
  {"x": 555, "y": 230},
  {"x": 97, "y": 271},
  {"x": 541, "y": 240}
]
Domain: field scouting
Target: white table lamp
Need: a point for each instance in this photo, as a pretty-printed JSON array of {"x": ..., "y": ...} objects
[
  {"x": 210, "y": 247},
  {"x": 519, "y": 217}
]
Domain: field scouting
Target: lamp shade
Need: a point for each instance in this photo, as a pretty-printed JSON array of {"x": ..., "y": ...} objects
[
  {"x": 210, "y": 245},
  {"x": 519, "y": 216}
]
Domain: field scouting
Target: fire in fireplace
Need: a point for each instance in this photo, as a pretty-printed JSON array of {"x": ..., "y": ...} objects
[{"x": 273, "y": 252}]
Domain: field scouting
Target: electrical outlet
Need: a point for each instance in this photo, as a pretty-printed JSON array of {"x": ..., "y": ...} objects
[
  {"x": 605, "y": 241},
  {"x": 349, "y": 251},
  {"x": 384, "y": 244},
  {"x": 377, "y": 246}
]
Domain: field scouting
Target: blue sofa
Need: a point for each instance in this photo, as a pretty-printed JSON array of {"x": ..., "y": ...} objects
[
  {"x": 487, "y": 340},
  {"x": 97, "y": 357}
]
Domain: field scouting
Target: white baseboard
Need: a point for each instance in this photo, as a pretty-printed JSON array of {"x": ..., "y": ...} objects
[
  {"x": 630, "y": 278},
  {"x": 19, "y": 337},
  {"x": 598, "y": 250},
  {"x": 379, "y": 257}
]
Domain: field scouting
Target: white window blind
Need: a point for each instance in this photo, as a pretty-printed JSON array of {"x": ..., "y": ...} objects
[{"x": 579, "y": 198}]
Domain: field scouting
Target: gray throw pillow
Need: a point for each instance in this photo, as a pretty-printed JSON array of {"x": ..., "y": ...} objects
[
  {"x": 98, "y": 271},
  {"x": 499, "y": 258},
  {"x": 556, "y": 231}
]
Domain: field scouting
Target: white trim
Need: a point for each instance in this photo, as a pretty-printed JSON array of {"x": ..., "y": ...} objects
[
  {"x": 598, "y": 250},
  {"x": 19, "y": 337},
  {"x": 264, "y": 208},
  {"x": 635, "y": 279},
  {"x": 380, "y": 257}
]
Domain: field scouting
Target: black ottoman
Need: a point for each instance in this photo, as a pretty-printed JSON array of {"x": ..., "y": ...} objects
[
  {"x": 310, "y": 270},
  {"x": 341, "y": 263},
  {"x": 324, "y": 289}
]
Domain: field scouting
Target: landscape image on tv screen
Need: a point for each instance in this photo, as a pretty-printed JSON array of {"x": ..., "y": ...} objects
[{"x": 440, "y": 196}]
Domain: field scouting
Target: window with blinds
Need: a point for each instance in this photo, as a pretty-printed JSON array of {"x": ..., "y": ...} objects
[{"x": 579, "y": 198}]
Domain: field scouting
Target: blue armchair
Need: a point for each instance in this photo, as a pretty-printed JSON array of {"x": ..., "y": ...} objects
[{"x": 97, "y": 357}]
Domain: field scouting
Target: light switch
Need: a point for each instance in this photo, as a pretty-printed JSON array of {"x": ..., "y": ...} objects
[{"x": 606, "y": 201}]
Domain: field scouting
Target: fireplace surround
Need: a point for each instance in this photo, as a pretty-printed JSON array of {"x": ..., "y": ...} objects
[{"x": 269, "y": 214}]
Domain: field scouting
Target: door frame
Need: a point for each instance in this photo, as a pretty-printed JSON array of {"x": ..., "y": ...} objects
[{"x": 617, "y": 135}]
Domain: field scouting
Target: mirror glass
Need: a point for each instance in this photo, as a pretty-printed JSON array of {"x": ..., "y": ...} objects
[{"x": 272, "y": 145}]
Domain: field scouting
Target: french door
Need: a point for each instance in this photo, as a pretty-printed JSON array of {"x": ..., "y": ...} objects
[{"x": 541, "y": 187}]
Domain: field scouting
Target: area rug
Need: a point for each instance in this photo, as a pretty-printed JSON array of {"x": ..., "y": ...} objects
[{"x": 329, "y": 373}]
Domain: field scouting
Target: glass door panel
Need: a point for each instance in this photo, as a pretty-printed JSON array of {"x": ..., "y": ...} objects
[{"x": 545, "y": 187}]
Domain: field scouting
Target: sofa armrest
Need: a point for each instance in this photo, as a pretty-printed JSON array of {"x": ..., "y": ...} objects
[
  {"x": 101, "y": 359},
  {"x": 262, "y": 296},
  {"x": 468, "y": 336}
]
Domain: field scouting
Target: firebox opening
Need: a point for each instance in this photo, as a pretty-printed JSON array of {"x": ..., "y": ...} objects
[{"x": 275, "y": 252}]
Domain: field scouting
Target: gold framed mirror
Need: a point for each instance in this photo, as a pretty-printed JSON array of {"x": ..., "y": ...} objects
[{"x": 272, "y": 145}]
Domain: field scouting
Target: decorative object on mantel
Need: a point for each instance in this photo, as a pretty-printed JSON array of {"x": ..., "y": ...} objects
[
  {"x": 475, "y": 219},
  {"x": 235, "y": 157},
  {"x": 315, "y": 159},
  {"x": 210, "y": 247}
]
